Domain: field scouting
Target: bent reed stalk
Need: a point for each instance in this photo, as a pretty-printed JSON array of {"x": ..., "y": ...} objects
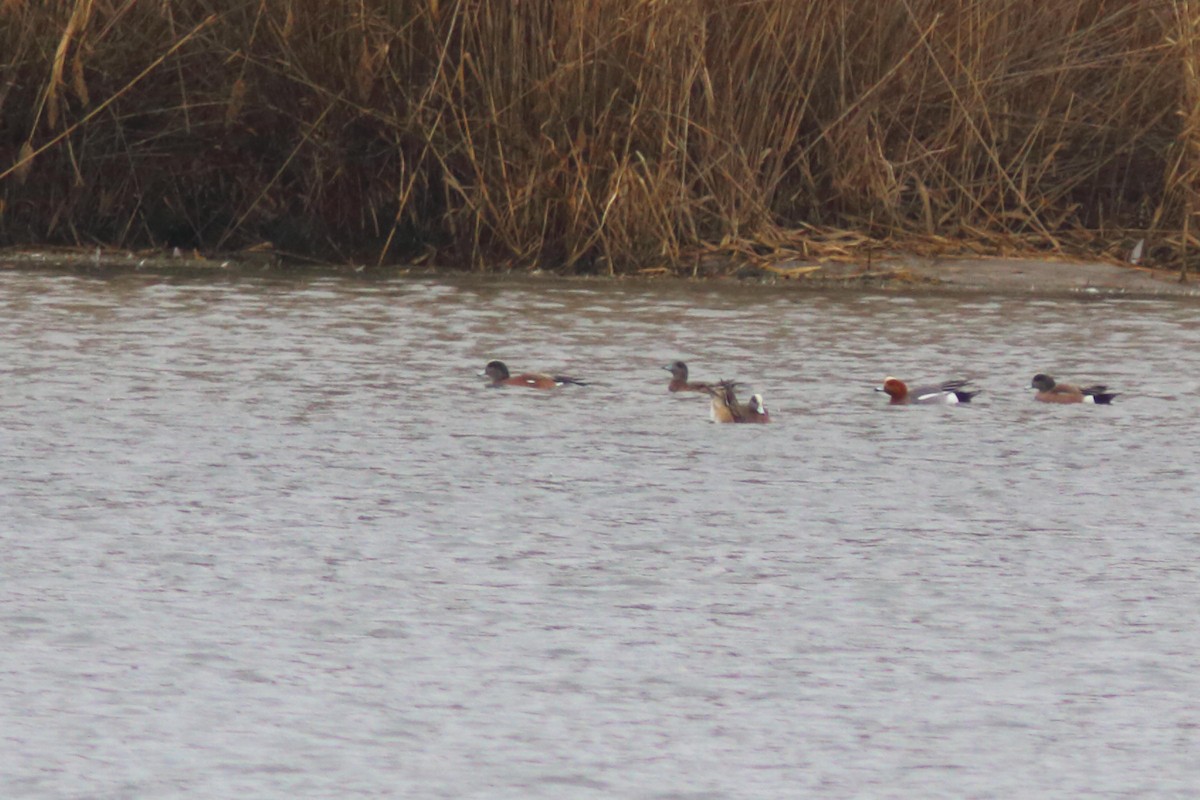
[{"x": 602, "y": 135}]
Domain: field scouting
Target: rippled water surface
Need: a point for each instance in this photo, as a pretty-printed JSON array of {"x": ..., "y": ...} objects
[{"x": 274, "y": 539}]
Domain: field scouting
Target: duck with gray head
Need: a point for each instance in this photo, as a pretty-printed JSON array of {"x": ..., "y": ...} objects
[
  {"x": 497, "y": 373},
  {"x": 679, "y": 379},
  {"x": 1051, "y": 391}
]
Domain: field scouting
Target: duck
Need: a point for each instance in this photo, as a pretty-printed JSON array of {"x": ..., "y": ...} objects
[
  {"x": 946, "y": 392},
  {"x": 755, "y": 410},
  {"x": 497, "y": 372},
  {"x": 725, "y": 407},
  {"x": 679, "y": 379},
  {"x": 1050, "y": 391}
]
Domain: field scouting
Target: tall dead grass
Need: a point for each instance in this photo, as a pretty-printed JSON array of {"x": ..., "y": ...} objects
[{"x": 601, "y": 134}]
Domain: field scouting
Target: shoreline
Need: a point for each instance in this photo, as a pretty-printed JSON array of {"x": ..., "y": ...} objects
[
  {"x": 1017, "y": 276},
  {"x": 1008, "y": 275}
]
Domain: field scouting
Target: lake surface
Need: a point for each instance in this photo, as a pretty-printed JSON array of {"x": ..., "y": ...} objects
[{"x": 273, "y": 538}]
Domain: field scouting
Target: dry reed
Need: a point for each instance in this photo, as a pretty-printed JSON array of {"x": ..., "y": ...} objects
[{"x": 602, "y": 135}]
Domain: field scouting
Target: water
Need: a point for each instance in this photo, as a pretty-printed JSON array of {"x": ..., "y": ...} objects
[{"x": 274, "y": 539}]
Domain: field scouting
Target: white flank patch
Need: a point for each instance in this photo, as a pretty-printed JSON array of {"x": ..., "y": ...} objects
[
  {"x": 1135, "y": 257},
  {"x": 938, "y": 397},
  {"x": 1087, "y": 398}
]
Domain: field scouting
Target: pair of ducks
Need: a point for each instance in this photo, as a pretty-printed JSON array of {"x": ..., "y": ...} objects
[
  {"x": 724, "y": 403},
  {"x": 945, "y": 392},
  {"x": 1048, "y": 391}
]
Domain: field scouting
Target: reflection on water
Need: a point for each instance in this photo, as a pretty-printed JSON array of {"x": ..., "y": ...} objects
[{"x": 271, "y": 538}]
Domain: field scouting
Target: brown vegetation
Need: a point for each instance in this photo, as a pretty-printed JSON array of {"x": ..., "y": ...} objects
[{"x": 604, "y": 135}]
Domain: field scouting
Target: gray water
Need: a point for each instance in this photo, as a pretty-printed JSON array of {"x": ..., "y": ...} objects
[{"x": 275, "y": 539}]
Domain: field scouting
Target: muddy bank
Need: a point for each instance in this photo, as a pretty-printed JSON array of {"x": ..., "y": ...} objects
[
  {"x": 1001, "y": 275},
  {"x": 1007, "y": 276}
]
